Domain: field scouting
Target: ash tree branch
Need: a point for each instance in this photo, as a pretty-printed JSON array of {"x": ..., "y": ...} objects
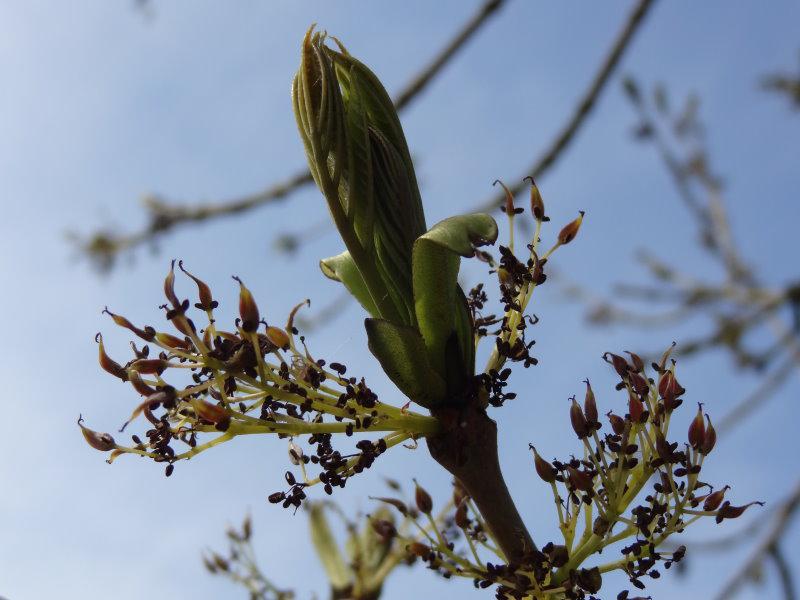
[
  {"x": 166, "y": 215},
  {"x": 584, "y": 107}
]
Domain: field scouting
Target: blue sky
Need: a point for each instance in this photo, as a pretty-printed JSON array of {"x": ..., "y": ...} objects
[{"x": 100, "y": 105}]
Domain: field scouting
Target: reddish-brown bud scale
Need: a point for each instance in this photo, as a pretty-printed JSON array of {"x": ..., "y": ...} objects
[
  {"x": 212, "y": 413},
  {"x": 508, "y": 207},
  {"x": 590, "y": 407},
  {"x": 418, "y": 549},
  {"x": 570, "y": 230},
  {"x": 537, "y": 204},
  {"x": 99, "y": 441},
  {"x": 139, "y": 385},
  {"x": 207, "y": 301},
  {"x": 107, "y": 363},
  {"x": 620, "y": 365},
  {"x": 636, "y": 409},
  {"x": 149, "y": 365},
  {"x": 636, "y": 361},
  {"x": 714, "y": 499},
  {"x": 579, "y": 424},
  {"x": 169, "y": 288},
  {"x": 580, "y": 480},
  {"x": 278, "y": 337},
  {"x": 727, "y": 511},
  {"x": 546, "y": 471},
  {"x": 697, "y": 430},
  {"x": 423, "y": 500},
  {"x": 709, "y": 439},
  {"x": 617, "y": 423},
  {"x": 172, "y": 341},
  {"x": 248, "y": 310}
]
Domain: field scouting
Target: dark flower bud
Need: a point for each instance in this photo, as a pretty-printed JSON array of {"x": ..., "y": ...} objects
[
  {"x": 617, "y": 423},
  {"x": 147, "y": 334},
  {"x": 636, "y": 410},
  {"x": 714, "y": 499},
  {"x": 248, "y": 310},
  {"x": 149, "y": 365},
  {"x": 172, "y": 341},
  {"x": 423, "y": 499},
  {"x": 557, "y": 554},
  {"x": 295, "y": 454},
  {"x": 709, "y": 439},
  {"x": 697, "y": 429},
  {"x": 600, "y": 526},
  {"x": 669, "y": 389},
  {"x": 580, "y": 480},
  {"x": 107, "y": 363},
  {"x": 590, "y": 580},
  {"x": 733, "y": 512},
  {"x": 544, "y": 469},
  {"x": 537, "y": 204},
  {"x": 99, "y": 441},
  {"x": 570, "y": 230},
  {"x": 212, "y": 413},
  {"x": 169, "y": 289},
  {"x": 639, "y": 384},
  {"x": 385, "y": 529},
  {"x": 398, "y": 504},
  {"x": 620, "y": 365},
  {"x": 138, "y": 384},
  {"x": 590, "y": 407},
  {"x": 579, "y": 424},
  {"x": 636, "y": 361},
  {"x": 418, "y": 549},
  {"x": 508, "y": 207},
  {"x": 278, "y": 337},
  {"x": 277, "y": 497},
  {"x": 207, "y": 302}
]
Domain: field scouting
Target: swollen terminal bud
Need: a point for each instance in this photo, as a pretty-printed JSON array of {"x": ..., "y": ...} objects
[
  {"x": 579, "y": 424},
  {"x": 570, "y": 230},
  {"x": 423, "y": 499},
  {"x": 537, "y": 204},
  {"x": 99, "y": 441},
  {"x": 544, "y": 469},
  {"x": 727, "y": 511},
  {"x": 248, "y": 310},
  {"x": 580, "y": 480},
  {"x": 697, "y": 429}
]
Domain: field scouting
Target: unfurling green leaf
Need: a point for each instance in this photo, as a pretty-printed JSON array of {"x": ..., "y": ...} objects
[
  {"x": 403, "y": 356},
  {"x": 440, "y": 305}
]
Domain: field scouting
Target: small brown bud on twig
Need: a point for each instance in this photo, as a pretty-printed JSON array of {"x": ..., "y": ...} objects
[
  {"x": 709, "y": 439},
  {"x": 537, "y": 204},
  {"x": 578, "y": 419},
  {"x": 99, "y": 441}
]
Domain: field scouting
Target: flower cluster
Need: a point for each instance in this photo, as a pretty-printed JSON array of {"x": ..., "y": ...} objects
[
  {"x": 632, "y": 487},
  {"x": 257, "y": 378}
]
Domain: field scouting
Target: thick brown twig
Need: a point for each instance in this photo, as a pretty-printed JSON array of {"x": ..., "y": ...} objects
[{"x": 104, "y": 246}]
